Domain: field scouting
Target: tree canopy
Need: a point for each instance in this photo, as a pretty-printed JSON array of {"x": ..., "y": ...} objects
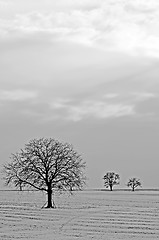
[{"x": 46, "y": 164}]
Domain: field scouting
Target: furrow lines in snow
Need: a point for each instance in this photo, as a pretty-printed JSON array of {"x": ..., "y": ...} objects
[{"x": 86, "y": 215}]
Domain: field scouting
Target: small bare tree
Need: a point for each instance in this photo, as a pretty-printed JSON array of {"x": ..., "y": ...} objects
[
  {"x": 134, "y": 183},
  {"x": 46, "y": 165},
  {"x": 111, "y": 179}
]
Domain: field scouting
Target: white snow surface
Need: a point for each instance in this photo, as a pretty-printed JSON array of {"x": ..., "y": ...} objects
[{"x": 85, "y": 215}]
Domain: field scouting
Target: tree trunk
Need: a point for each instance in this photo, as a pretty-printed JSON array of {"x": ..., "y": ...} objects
[
  {"x": 20, "y": 187},
  {"x": 111, "y": 187},
  {"x": 49, "y": 195}
]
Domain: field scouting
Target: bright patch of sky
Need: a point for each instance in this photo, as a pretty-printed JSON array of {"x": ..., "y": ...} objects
[{"x": 129, "y": 26}]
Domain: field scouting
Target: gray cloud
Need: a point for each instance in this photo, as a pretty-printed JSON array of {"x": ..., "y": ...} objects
[
  {"x": 110, "y": 105},
  {"x": 97, "y": 109},
  {"x": 17, "y": 95},
  {"x": 144, "y": 96},
  {"x": 121, "y": 26},
  {"x": 3, "y": 4}
]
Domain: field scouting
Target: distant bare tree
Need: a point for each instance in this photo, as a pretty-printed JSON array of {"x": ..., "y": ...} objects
[
  {"x": 111, "y": 179},
  {"x": 134, "y": 183},
  {"x": 46, "y": 165}
]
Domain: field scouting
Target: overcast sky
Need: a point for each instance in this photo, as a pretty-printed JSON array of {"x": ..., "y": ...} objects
[{"x": 84, "y": 72}]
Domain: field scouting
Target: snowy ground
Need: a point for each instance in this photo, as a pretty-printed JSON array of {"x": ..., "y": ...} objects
[{"x": 86, "y": 215}]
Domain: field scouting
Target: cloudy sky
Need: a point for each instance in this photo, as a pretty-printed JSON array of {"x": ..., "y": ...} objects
[{"x": 84, "y": 72}]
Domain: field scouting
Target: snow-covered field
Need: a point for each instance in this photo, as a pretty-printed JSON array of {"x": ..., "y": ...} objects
[{"x": 85, "y": 215}]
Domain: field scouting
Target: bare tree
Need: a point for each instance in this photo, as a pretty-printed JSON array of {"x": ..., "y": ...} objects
[
  {"x": 46, "y": 164},
  {"x": 111, "y": 179},
  {"x": 134, "y": 183}
]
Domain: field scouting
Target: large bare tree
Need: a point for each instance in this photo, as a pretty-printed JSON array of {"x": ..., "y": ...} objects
[
  {"x": 47, "y": 165},
  {"x": 111, "y": 179}
]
